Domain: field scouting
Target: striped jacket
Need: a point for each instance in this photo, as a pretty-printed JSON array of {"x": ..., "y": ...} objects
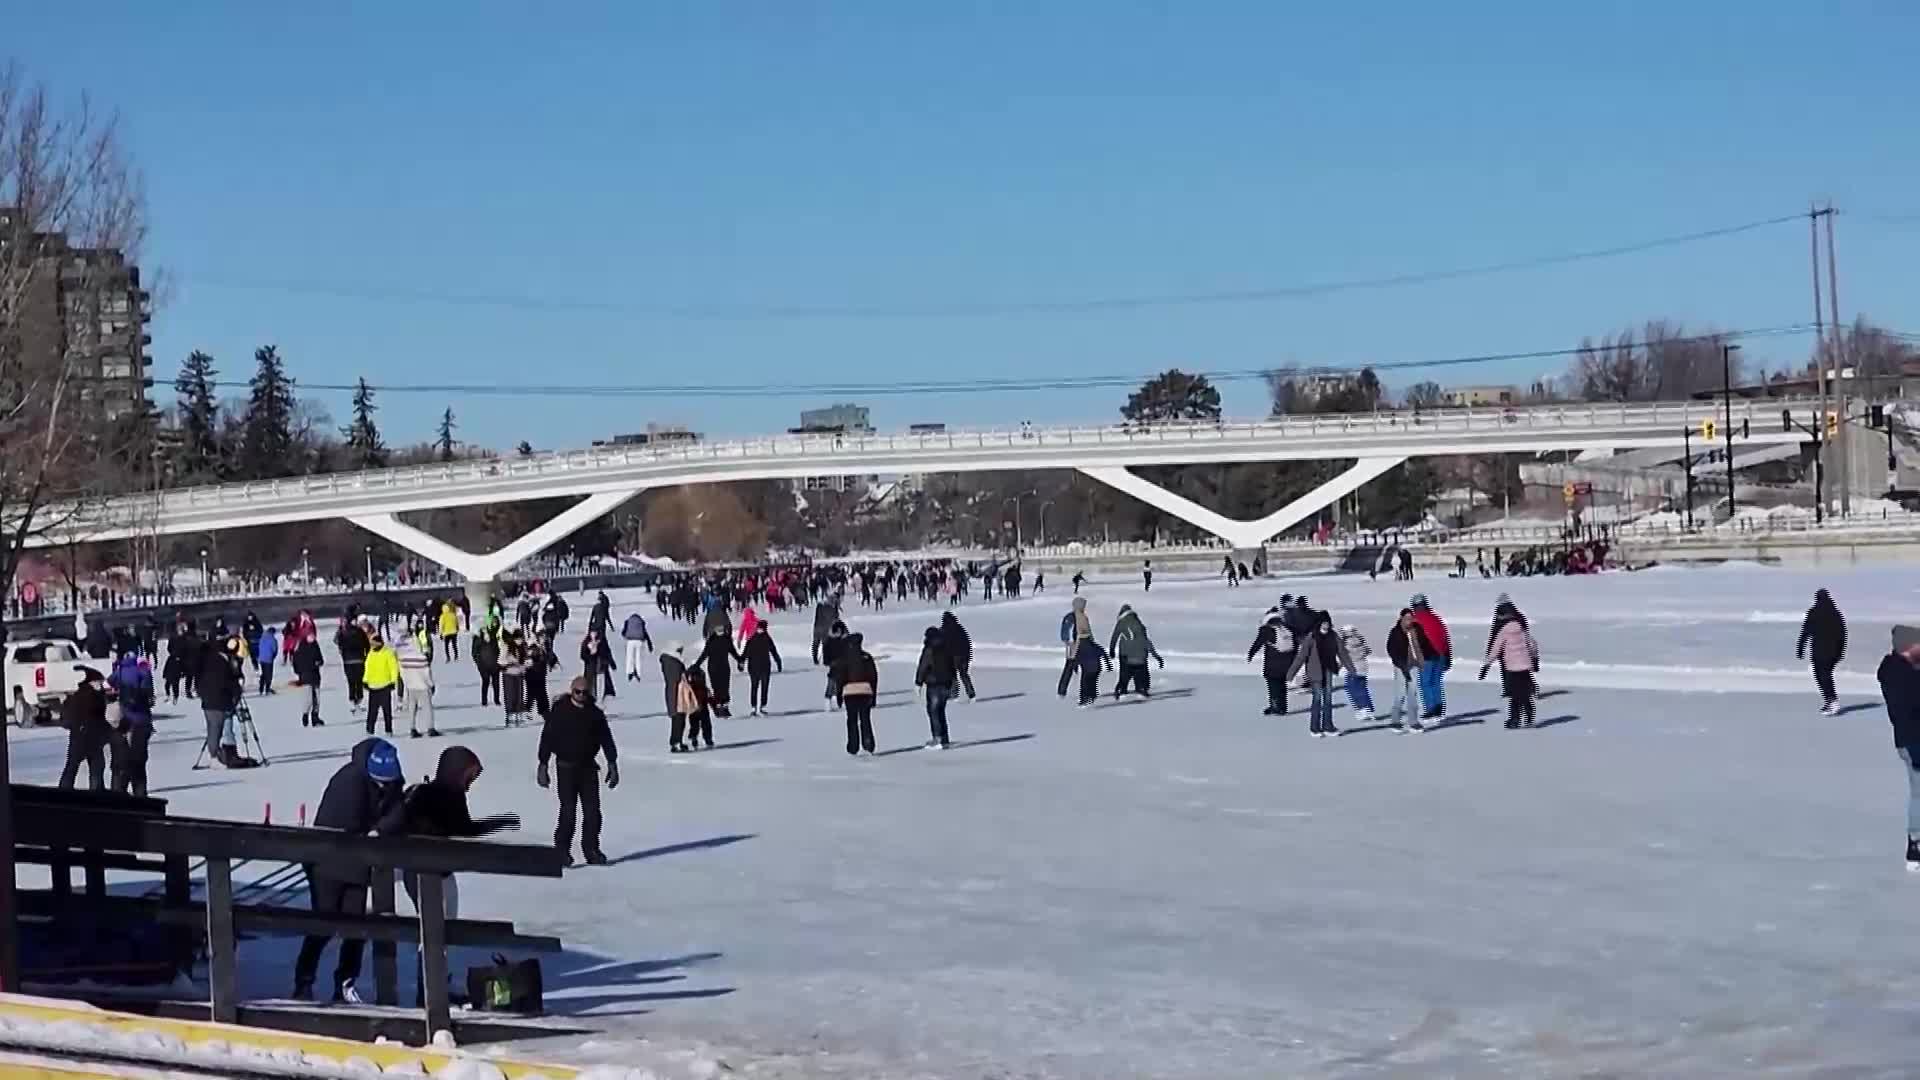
[{"x": 1356, "y": 648}]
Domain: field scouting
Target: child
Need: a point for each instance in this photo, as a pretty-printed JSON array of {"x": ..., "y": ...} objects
[
  {"x": 173, "y": 671},
  {"x": 1359, "y": 696},
  {"x": 513, "y": 681}
]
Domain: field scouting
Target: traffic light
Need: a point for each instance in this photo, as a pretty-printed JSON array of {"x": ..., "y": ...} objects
[
  {"x": 1707, "y": 430},
  {"x": 1833, "y": 424}
]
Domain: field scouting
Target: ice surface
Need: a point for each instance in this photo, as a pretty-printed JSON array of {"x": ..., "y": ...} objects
[{"x": 1690, "y": 872}]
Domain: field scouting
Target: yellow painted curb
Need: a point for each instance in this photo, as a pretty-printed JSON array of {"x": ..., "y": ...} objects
[
  {"x": 52, "y": 1072},
  {"x": 53, "y": 1010}
]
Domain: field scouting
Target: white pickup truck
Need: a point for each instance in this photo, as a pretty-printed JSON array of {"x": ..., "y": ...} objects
[{"x": 45, "y": 672}]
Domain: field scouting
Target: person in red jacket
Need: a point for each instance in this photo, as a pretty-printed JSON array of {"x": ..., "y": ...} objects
[{"x": 1433, "y": 666}]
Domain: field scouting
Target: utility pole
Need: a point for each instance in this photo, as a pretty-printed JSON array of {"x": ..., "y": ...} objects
[
  {"x": 1726, "y": 380},
  {"x": 1845, "y": 449},
  {"x": 1686, "y": 459},
  {"x": 1820, "y": 350}
]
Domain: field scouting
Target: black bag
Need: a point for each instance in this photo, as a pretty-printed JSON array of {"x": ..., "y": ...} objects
[{"x": 507, "y": 987}]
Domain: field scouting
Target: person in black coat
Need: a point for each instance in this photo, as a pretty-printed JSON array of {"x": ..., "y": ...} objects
[
  {"x": 936, "y": 676},
  {"x": 307, "y": 662},
  {"x": 84, "y": 715},
  {"x": 960, "y": 647},
  {"x": 858, "y": 679},
  {"x": 222, "y": 683},
  {"x": 576, "y": 732},
  {"x": 540, "y": 661},
  {"x": 485, "y": 650},
  {"x": 760, "y": 657},
  {"x": 353, "y": 644},
  {"x": 1275, "y": 645},
  {"x": 362, "y": 792},
  {"x": 596, "y": 662},
  {"x": 831, "y": 651},
  {"x": 1900, "y": 687},
  {"x": 718, "y": 655},
  {"x": 438, "y": 808},
  {"x": 1824, "y": 634}
]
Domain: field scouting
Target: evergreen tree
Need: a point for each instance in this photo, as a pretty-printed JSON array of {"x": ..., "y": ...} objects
[
  {"x": 267, "y": 431},
  {"x": 364, "y": 448},
  {"x": 1173, "y": 396},
  {"x": 199, "y": 416},
  {"x": 444, "y": 441}
]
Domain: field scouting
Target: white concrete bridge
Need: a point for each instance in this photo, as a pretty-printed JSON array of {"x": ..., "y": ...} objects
[{"x": 608, "y": 476}]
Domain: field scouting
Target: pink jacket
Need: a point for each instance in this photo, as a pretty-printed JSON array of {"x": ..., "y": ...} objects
[
  {"x": 749, "y": 622},
  {"x": 1514, "y": 648}
]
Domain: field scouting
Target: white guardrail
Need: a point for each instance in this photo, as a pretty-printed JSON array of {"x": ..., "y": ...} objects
[{"x": 843, "y": 452}]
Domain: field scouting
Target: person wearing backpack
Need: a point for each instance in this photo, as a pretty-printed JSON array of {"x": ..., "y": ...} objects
[
  {"x": 1131, "y": 647},
  {"x": 1075, "y": 627}
]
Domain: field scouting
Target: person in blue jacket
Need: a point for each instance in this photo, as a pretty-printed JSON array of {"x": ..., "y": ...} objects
[
  {"x": 133, "y": 684},
  {"x": 265, "y": 652}
]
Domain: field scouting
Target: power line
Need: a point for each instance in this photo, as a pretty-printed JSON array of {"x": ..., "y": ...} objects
[
  {"x": 785, "y": 312},
  {"x": 972, "y": 386}
]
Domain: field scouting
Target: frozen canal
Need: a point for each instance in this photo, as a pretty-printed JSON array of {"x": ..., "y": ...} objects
[{"x": 1689, "y": 871}]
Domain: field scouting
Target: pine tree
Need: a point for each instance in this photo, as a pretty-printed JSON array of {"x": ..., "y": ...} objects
[
  {"x": 364, "y": 448},
  {"x": 444, "y": 441},
  {"x": 199, "y": 416},
  {"x": 267, "y": 430}
]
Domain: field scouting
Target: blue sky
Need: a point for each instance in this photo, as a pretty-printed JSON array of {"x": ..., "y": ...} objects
[{"x": 333, "y": 178}]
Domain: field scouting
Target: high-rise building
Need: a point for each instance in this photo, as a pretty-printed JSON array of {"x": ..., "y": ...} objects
[{"x": 85, "y": 306}]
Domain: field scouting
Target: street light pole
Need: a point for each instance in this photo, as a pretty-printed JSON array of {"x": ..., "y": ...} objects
[
  {"x": 206, "y": 583},
  {"x": 369, "y": 566},
  {"x": 1049, "y": 502},
  {"x": 306, "y": 570},
  {"x": 1726, "y": 381}
]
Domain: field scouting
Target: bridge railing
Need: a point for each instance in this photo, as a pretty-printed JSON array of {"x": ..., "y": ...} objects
[{"x": 844, "y": 451}]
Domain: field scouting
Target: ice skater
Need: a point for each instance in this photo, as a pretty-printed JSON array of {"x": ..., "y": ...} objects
[
  {"x": 1359, "y": 694},
  {"x": 1514, "y": 650},
  {"x": 1900, "y": 688},
  {"x": 1131, "y": 648},
  {"x": 759, "y": 659},
  {"x": 1824, "y": 634},
  {"x": 1274, "y": 645},
  {"x": 1320, "y": 658}
]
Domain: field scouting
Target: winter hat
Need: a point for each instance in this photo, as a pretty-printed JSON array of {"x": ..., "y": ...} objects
[
  {"x": 1348, "y": 630},
  {"x": 1419, "y": 600},
  {"x": 1905, "y": 637},
  {"x": 1503, "y": 598},
  {"x": 1273, "y": 610},
  {"x": 383, "y": 763},
  {"x": 1126, "y": 609}
]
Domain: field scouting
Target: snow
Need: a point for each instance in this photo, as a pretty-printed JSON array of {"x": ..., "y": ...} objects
[{"x": 1689, "y": 872}]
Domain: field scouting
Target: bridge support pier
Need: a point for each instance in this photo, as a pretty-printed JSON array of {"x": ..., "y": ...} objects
[
  {"x": 1244, "y": 534},
  {"x": 481, "y": 570}
]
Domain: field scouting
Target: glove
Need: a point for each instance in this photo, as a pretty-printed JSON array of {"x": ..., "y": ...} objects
[
  {"x": 613, "y": 775},
  {"x": 542, "y": 777},
  {"x": 1483, "y": 673},
  {"x": 1163, "y": 662}
]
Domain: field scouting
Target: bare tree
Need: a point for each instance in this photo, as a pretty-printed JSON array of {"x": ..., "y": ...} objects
[{"x": 72, "y": 217}]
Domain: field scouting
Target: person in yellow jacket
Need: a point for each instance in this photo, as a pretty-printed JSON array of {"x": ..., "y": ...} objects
[
  {"x": 382, "y": 675},
  {"x": 450, "y": 629}
]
